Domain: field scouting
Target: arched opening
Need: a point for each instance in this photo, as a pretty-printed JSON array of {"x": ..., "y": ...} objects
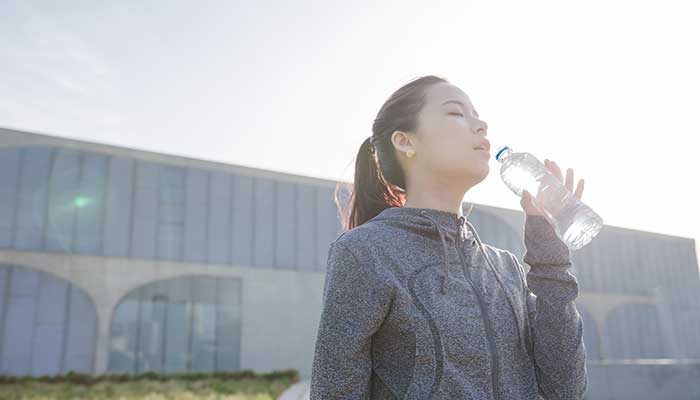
[
  {"x": 178, "y": 325},
  {"x": 48, "y": 326}
]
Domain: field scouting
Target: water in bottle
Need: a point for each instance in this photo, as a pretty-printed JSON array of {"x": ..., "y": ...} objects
[{"x": 574, "y": 222}]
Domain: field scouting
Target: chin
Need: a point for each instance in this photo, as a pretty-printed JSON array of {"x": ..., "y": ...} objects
[
  {"x": 476, "y": 176},
  {"x": 481, "y": 174}
]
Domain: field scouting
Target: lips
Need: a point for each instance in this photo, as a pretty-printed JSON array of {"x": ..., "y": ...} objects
[{"x": 484, "y": 145}]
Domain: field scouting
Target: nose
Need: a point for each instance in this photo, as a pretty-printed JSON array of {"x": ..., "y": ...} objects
[{"x": 483, "y": 128}]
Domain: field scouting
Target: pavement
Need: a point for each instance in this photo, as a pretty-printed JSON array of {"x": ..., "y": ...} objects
[{"x": 298, "y": 391}]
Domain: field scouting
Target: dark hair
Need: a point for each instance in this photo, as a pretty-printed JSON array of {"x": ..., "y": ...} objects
[{"x": 379, "y": 179}]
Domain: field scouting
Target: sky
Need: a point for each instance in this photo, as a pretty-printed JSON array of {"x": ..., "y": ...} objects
[{"x": 608, "y": 88}]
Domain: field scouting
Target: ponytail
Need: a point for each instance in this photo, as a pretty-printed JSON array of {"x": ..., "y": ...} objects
[{"x": 371, "y": 192}]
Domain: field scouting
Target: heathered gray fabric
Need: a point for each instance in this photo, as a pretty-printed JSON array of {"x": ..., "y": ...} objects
[{"x": 400, "y": 319}]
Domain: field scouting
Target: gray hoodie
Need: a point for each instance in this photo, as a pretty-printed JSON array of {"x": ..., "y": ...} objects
[{"x": 415, "y": 306}]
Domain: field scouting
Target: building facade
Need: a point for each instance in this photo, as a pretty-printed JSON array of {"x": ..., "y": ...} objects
[{"x": 120, "y": 260}]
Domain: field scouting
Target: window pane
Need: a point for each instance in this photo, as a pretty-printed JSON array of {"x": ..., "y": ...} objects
[
  {"x": 124, "y": 329},
  {"x": 179, "y": 315},
  {"x": 204, "y": 324}
]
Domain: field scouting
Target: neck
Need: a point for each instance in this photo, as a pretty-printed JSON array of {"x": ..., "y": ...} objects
[{"x": 443, "y": 200}]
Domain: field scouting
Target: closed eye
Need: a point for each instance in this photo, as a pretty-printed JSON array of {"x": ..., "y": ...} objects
[{"x": 460, "y": 114}]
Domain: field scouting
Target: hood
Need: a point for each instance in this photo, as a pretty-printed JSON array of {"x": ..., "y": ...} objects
[{"x": 430, "y": 222}]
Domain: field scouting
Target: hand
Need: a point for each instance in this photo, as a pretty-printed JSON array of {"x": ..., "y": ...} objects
[{"x": 533, "y": 207}]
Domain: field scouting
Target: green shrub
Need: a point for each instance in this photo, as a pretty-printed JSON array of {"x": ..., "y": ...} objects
[
  {"x": 238, "y": 385},
  {"x": 87, "y": 379}
]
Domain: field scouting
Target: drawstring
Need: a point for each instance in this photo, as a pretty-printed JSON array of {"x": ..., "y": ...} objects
[
  {"x": 445, "y": 259},
  {"x": 498, "y": 278},
  {"x": 481, "y": 247}
]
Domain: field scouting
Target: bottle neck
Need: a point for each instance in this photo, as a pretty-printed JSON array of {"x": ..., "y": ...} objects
[{"x": 504, "y": 154}]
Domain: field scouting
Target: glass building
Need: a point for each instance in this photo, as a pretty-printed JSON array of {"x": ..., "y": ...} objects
[{"x": 120, "y": 260}]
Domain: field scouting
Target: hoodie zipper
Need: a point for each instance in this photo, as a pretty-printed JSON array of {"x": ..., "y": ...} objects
[{"x": 487, "y": 323}]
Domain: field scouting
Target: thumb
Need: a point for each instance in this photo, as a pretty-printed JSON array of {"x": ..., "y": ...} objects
[
  {"x": 528, "y": 203},
  {"x": 525, "y": 198}
]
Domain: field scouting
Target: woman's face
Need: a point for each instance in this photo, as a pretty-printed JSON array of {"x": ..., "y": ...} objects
[{"x": 448, "y": 134}]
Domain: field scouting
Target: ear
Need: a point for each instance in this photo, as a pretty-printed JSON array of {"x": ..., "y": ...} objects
[{"x": 403, "y": 141}]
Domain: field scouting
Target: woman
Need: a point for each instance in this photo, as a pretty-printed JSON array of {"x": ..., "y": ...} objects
[{"x": 415, "y": 306}]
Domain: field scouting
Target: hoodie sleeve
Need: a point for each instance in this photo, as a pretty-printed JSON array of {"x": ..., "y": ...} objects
[
  {"x": 355, "y": 302},
  {"x": 555, "y": 323}
]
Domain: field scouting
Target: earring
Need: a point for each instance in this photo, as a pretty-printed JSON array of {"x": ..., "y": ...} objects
[{"x": 410, "y": 153}]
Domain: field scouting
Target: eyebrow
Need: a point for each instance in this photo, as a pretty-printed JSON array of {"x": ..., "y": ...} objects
[
  {"x": 460, "y": 103},
  {"x": 453, "y": 101}
]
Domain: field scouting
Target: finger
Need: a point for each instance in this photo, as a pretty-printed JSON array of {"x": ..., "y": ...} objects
[
  {"x": 550, "y": 167},
  {"x": 527, "y": 203},
  {"x": 570, "y": 179},
  {"x": 526, "y": 199},
  {"x": 579, "y": 189},
  {"x": 557, "y": 171}
]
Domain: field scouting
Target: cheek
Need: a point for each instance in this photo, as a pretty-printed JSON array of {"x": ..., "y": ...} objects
[
  {"x": 450, "y": 147},
  {"x": 452, "y": 156},
  {"x": 462, "y": 160}
]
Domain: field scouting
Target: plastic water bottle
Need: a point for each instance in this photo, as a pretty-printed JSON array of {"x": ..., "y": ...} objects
[{"x": 575, "y": 223}]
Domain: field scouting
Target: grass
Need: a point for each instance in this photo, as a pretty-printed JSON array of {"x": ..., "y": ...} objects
[{"x": 151, "y": 387}]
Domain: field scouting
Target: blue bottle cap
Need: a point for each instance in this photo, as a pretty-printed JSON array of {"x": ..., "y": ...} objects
[{"x": 504, "y": 148}]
